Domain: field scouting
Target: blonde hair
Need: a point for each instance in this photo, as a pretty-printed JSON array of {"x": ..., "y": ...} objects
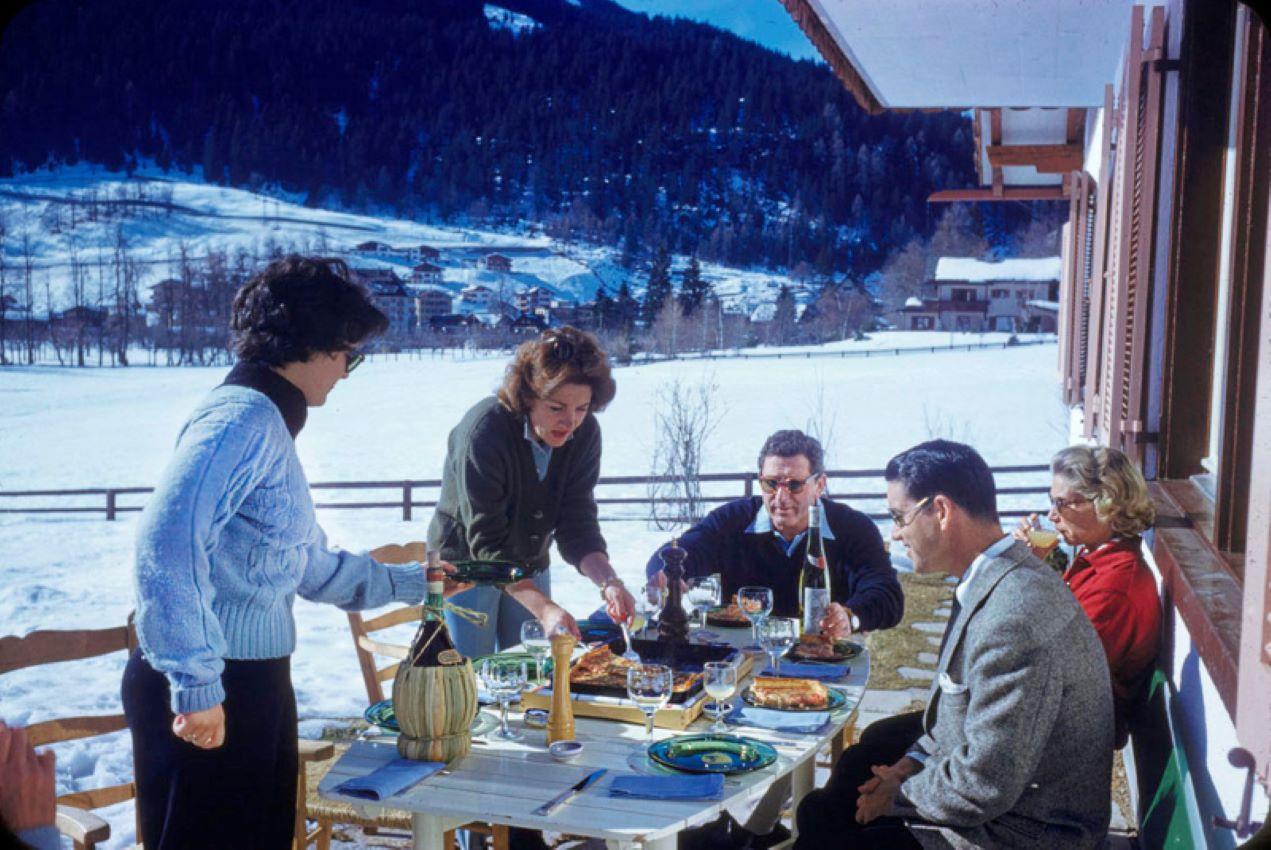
[
  {"x": 559, "y": 356},
  {"x": 1112, "y": 482}
]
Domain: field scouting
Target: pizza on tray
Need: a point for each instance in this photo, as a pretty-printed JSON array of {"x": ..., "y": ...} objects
[
  {"x": 600, "y": 667},
  {"x": 771, "y": 692}
]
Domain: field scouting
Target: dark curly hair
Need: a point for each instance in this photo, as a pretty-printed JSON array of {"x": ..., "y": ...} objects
[
  {"x": 559, "y": 356},
  {"x": 793, "y": 443},
  {"x": 300, "y": 306}
]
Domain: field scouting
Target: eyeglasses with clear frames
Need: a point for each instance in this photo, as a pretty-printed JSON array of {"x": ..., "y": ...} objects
[
  {"x": 1061, "y": 504},
  {"x": 902, "y": 518}
]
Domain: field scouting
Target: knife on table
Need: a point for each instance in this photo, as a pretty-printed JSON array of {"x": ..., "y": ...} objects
[{"x": 565, "y": 796}]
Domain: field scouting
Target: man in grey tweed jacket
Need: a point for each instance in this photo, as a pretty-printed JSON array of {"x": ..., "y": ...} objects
[{"x": 1014, "y": 748}]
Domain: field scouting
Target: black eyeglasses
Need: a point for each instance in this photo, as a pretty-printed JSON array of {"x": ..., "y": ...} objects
[
  {"x": 792, "y": 485},
  {"x": 353, "y": 358}
]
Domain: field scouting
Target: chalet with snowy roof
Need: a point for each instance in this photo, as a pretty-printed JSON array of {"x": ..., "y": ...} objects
[
  {"x": 1150, "y": 124},
  {"x": 432, "y": 301},
  {"x": 422, "y": 253},
  {"x": 972, "y": 295},
  {"x": 398, "y": 303},
  {"x": 372, "y": 248},
  {"x": 84, "y": 317},
  {"x": 497, "y": 263},
  {"x": 475, "y": 297},
  {"x": 452, "y": 323},
  {"x": 527, "y": 323},
  {"x": 372, "y": 275},
  {"x": 425, "y": 273},
  {"x": 534, "y": 299}
]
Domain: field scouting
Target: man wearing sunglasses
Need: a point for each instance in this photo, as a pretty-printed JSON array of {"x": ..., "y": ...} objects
[{"x": 761, "y": 540}]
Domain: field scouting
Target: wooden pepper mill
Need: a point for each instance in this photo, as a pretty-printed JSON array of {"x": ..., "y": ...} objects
[
  {"x": 673, "y": 623},
  {"x": 560, "y": 723}
]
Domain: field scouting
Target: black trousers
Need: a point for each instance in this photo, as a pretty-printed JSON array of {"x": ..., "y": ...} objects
[
  {"x": 240, "y": 795},
  {"x": 827, "y": 816}
]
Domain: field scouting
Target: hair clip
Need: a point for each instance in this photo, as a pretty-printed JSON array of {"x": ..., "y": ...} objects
[{"x": 562, "y": 349}]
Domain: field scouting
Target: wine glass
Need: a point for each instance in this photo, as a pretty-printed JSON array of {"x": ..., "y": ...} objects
[
  {"x": 649, "y": 686},
  {"x": 703, "y": 594},
  {"x": 755, "y": 604},
  {"x": 536, "y": 642},
  {"x": 721, "y": 682},
  {"x": 650, "y": 604},
  {"x": 776, "y": 635},
  {"x": 504, "y": 678}
]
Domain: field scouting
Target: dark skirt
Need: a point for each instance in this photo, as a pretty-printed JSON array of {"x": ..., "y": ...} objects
[{"x": 240, "y": 795}]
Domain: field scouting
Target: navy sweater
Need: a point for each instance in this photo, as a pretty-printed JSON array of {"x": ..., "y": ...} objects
[{"x": 861, "y": 574}]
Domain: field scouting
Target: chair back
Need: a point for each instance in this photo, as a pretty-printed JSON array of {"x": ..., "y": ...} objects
[
  {"x": 368, "y": 648},
  {"x": 41, "y": 648}
]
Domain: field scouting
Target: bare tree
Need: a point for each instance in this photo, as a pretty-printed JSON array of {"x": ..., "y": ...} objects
[
  {"x": 822, "y": 419},
  {"x": 28, "y": 286},
  {"x": 686, "y": 416},
  {"x": 5, "y": 300}
]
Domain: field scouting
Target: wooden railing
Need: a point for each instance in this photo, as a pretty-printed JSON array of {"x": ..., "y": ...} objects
[{"x": 409, "y": 494}]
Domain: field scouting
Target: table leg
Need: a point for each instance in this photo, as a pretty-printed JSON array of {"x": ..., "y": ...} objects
[
  {"x": 803, "y": 780},
  {"x": 428, "y": 831},
  {"x": 664, "y": 843}
]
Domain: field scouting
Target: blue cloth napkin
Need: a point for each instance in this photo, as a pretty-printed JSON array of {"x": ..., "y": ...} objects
[
  {"x": 389, "y": 779},
  {"x": 705, "y": 786},
  {"x": 796, "y": 670},
  {"x": 793, "y": 722}
]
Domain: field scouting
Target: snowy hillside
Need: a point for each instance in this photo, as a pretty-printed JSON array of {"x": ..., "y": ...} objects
[{"x": 84, "y": 213}]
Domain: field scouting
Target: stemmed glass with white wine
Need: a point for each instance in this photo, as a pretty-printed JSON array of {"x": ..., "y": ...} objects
[
  {"x": 649, "y": 686},
  {"x": 536, "y": 642},
  {"x": 720, "y": 682}
]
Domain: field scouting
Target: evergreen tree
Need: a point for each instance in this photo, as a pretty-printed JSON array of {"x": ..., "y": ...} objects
[
  {"x": 626, "y": 308},
  {"x": 693, "y": 289},
  {"x": 783, "y": 318},
  {"x": 604, "y": 311},
  {"x": 658, "y": 289}
]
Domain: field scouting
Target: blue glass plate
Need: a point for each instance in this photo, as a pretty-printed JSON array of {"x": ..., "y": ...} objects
[
  {"x": 712, "y": 753},
  {"x": 836, "y": 701}
]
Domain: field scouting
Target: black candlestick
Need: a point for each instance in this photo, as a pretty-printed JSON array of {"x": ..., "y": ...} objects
[{"x": 673, "y": 624}]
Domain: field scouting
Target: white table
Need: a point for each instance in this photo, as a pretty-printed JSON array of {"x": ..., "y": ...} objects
[{"x": 502, "y": 782}]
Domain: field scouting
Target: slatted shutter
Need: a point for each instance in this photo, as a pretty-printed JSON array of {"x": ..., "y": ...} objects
[{"x": 1095, "y": 325}]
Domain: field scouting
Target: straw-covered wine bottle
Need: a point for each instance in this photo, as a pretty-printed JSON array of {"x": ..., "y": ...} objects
[{"x": 435, "y": 691}]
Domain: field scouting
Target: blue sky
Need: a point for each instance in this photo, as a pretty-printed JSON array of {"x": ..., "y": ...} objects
[{"x": 764, "y": 21}]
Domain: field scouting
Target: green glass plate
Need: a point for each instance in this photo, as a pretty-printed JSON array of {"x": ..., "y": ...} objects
[
  {"x": 836, "y": 700},
  {"x": 381, "y": 715},
  {"x": 711, "y": 753}
]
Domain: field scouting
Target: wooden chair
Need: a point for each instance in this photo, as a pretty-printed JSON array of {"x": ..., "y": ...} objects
[
  {"x": 75, "y": 817},
  {"x": 328, "y": 813}
]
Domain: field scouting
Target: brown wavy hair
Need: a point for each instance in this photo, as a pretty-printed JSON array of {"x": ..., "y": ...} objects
[{"x": 559, "y": 356}]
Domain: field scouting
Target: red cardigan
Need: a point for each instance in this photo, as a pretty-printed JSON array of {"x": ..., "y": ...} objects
[{"x": 1118, "y": 593}]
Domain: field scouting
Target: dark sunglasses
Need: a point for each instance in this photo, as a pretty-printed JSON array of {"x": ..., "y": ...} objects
[
  {"x": 793, "y": 486},
  {"x": 353, "y": 358}
]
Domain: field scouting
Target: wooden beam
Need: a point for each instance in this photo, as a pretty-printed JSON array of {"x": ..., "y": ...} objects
[
  {"x": 1076, "y": 126},
  {"x": 1008, "y": 193},
  {"x": 814, "y": 28},
  {"x": 1047, "y": 159},
  {"x": 995, "y": 139}
]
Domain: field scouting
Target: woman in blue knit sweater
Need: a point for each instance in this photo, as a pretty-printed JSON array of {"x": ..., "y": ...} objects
[{"x": 225, "y": 545}]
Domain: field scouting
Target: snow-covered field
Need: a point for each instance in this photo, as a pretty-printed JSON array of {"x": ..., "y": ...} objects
[{"x": 64, "y": 428}]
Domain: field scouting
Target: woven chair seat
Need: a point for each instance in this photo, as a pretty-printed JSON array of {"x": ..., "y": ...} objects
[{"x": 340, "y": 812}]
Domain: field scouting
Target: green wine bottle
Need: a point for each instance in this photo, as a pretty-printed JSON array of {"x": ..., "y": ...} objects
[{"x": 489, "y": 572}]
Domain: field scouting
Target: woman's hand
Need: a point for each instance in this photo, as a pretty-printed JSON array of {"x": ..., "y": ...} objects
[
  {"x": 556, "y": 619},
  {"x": 28, "y": 793},
  {"x": 452, "y": 587},
  {"x": 1024, "y": 533},
  {"x": 204, "y": 729},
  {"x": 620, "y": 605}
]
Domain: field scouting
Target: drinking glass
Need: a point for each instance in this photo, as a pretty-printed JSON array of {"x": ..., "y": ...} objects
[
  {"x": 649, "y": 686},
  {"x": 649, "y": 605},
  {"x": 721, "y": 682},
  {"x": 536, "y": 642},
  {"x": 755, "y": 604},
  {"x": 504, "y": 678},
  {"x": 776, "y": 635},
  {"x": 703, "y": 594}
]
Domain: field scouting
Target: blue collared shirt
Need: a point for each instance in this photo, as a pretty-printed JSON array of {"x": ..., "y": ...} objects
[
  {"x": 542, "y": 454},
  {"x": 762, "y": 524}
]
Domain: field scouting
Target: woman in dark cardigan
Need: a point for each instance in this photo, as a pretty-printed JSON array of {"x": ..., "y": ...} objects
[{"x": 521, "y": 470}]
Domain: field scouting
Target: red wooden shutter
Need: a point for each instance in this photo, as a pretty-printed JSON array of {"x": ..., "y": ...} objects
[{"x": 1095, "y": 326}]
